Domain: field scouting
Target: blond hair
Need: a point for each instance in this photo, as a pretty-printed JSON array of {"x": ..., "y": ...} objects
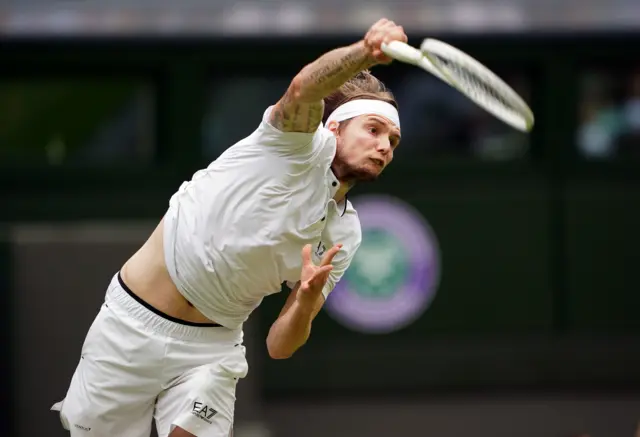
[{"x": 363, "y": 85}]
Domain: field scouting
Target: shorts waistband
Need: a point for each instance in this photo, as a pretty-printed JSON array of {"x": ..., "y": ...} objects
[
  {"x": 126, "y": 288},
  {"x": 121, "y": 299}
]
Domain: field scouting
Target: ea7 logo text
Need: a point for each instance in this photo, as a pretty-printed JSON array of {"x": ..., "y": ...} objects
[{"x": 203, "y": 411}]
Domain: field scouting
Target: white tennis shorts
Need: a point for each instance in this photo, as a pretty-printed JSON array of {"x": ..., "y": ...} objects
[{"x": 137, "y": 365}]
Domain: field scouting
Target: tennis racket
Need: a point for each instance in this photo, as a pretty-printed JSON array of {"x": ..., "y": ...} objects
[{"x": 468, "y": 76}]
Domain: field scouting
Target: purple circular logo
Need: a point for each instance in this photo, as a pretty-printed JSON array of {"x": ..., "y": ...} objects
[{"x": 394, "y": 275}]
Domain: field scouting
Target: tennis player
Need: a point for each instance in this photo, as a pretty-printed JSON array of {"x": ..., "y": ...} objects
[{"x": 167, "y": 342}]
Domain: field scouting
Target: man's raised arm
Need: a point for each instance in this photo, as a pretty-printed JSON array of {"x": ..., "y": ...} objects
[{"x": 301, "y": 107}]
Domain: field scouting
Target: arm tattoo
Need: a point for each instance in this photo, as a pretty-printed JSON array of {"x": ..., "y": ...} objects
[
  {"x": 288, "y": 115},
  {"x": 301, "y": 108}
]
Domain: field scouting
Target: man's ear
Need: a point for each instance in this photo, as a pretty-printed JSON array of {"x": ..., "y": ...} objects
[{"x": 333, "y": 126}]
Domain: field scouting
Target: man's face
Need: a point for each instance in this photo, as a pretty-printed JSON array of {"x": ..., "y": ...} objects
[{"x": 365, "y": 146}]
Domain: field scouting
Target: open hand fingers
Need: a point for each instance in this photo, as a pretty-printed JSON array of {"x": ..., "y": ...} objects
[
  {"x": 319, "y": 277},
  {"x": 331, "y": 253},
  {"x": 315, "y": 277}
]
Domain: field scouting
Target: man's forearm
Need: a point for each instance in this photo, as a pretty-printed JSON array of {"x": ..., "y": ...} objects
[
  {"x": 331, "y": 70},
  {"x": 290, "y": 331}
]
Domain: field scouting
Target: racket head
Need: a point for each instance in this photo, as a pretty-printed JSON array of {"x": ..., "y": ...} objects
[{"x": 477, "y": 82}]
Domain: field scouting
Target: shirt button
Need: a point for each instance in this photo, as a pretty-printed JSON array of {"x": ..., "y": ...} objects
[{"x": 334, "y": 183}]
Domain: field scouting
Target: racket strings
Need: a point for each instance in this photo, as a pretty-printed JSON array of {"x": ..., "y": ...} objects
[{"x": 476, "y": 85}]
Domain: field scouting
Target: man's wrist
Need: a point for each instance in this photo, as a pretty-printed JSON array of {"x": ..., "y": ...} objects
[
  {"x": 367, "y": 52},
  {"x": 305, "y": 304}
]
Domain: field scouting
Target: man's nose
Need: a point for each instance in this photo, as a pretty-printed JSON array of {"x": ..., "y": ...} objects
[{"x": 384, "y": 145}]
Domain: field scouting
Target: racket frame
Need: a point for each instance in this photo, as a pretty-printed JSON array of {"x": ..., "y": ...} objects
[{"x": 425, "y": 58}]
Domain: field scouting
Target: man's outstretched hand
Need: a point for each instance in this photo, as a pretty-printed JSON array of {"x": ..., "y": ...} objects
[{"x": 314, "y": 277}]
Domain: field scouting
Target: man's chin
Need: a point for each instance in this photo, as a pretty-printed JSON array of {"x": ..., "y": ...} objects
[{"x": 366, "y": 175}]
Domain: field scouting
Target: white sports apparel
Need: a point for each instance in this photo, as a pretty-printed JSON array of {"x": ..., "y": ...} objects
[
  {"x": 136, "y": 365},
  {"x": 234, "y": 233}
]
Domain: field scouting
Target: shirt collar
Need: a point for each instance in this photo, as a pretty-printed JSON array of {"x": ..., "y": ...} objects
[
  {"x": 345, "y": 201},
  {"x": 334, "y": 185},
  {"x": 333, "y": 182}
]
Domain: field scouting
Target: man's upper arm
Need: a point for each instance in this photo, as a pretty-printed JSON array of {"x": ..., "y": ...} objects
[{"x": 293, "y": 114}]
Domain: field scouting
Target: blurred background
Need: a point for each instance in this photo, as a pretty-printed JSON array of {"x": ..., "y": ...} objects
[{"x": 496, "y": 293}]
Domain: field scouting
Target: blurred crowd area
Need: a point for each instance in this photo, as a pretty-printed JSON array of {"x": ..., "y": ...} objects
[
  {"x": 90, "y": 121},
  {"x": 119, "y": 117},
  {"x": 118, "y": 120},
  {"x": 437, "y": 121},
  {"x": 609, "y": 114}
]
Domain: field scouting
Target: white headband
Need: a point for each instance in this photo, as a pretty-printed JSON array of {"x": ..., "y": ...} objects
[{"x": 358, "y": 107}]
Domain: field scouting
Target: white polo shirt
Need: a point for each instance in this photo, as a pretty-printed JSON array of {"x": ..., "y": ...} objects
[{"x": 234, "y": 233}]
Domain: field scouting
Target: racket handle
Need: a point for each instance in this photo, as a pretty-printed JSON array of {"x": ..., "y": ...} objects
[{"x": 402, "y": 52}]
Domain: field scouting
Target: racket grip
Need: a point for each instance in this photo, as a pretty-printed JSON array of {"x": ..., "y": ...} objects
[{"x": 402, "y": 52}]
